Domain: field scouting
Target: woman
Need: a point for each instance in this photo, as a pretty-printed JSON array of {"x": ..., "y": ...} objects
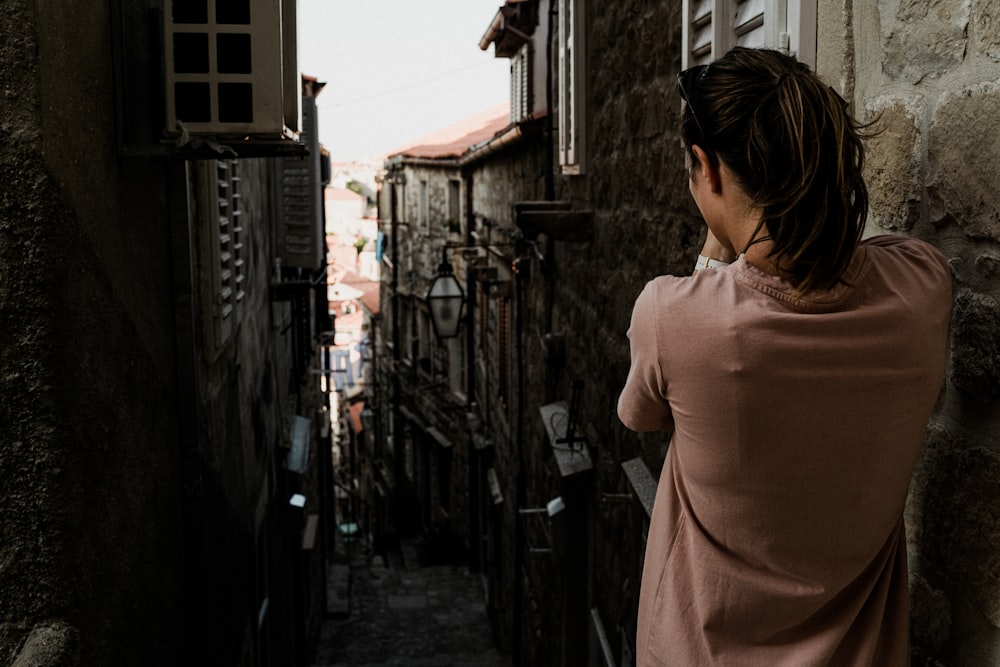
[{"x": 797, "y": 374}]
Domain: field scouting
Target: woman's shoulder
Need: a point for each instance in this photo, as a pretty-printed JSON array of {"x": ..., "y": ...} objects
[
  {"x": 679, "y": 300},
  {"x": 909, "y": 263},
  {"x": 905, "y": 248},
  {"x": 666, "y": 289}
]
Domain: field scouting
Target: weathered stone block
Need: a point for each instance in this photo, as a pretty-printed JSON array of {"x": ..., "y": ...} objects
[
  {"x": 930, "y": 614},
  {"x": 956, "y": 506},
  {"x": 987, "y": 263},
  {"x": 975, "y": 348},
  {"x": 923, "y": 38},
  {"x": 893, "y": 165},
  {"x": 986, "y": 33},
  {"x": 48, "y": 646},
  {"x": 962, "y": 185}
]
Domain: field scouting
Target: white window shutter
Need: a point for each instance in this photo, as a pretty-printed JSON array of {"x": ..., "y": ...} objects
[
  {"x": 520, "y": 84},
  {"x": 801, "y": 29},
  {"x": 701, "y": 32},
  {"x": 748, "y": 23},
  {"x": 712, "y": 27},
  {"x": 565, "y": 81},
  {"x": 571, "y": 86}
]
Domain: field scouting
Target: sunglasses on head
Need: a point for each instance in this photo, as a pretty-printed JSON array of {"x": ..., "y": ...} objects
[{"x": 687, "y": 84}]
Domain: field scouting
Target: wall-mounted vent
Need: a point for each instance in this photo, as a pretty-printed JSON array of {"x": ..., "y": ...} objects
[{"x": 230, "y": 67}]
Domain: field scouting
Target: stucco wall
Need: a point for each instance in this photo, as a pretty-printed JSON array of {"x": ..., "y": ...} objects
[{"x": 930, "y": 74}]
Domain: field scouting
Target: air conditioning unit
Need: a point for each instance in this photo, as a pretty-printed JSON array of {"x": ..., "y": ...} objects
[{"x": 230, "y": 68}]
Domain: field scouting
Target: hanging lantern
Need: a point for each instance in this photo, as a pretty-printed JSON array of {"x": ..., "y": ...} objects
[{"x": 445, "y": 299}]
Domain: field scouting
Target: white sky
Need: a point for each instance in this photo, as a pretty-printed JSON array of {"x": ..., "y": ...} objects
[{"x": 397, "y": 69}]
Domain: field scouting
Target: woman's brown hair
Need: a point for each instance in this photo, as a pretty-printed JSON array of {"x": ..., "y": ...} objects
[{"x": 794, "y": 148}]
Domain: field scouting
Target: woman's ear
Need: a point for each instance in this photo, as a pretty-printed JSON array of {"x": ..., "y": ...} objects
[{"x": 707, "y": 169}]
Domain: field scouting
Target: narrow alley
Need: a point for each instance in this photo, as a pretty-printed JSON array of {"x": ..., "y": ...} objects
[
  {"x": 285, "y": 282},
  {"x": 406, "y": 612}
]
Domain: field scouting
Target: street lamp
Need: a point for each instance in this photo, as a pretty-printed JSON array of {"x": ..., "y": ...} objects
[{"x": 445, "y": 299}]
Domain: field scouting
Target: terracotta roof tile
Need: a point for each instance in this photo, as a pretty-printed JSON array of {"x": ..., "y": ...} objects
[{"x": 455, "y": 139}]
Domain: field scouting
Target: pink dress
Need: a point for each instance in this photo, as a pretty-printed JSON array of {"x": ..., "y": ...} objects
[{"x": 777, "y": 535}]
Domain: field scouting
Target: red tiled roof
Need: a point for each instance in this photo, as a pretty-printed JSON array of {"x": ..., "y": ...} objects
[
  {"x": 342, "y": 194},
  {"x": 341, "y": 256},
  {"x": 370, "y": 296},
  {"x": 455, "y": 139}
]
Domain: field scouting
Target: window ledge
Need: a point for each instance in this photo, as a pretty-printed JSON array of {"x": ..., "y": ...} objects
[
  {"x": 572, "y": 458},
  {"x": 642, "y": 483}
]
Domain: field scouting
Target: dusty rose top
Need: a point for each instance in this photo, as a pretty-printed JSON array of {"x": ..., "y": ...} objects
[{"x": 777, "y": 534}]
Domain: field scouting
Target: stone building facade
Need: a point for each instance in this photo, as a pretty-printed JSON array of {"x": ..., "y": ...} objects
[
  {"x": 585, "y": 199},
  {"x": 931, "y": 76},
  {"x": 157, "y": 412}
]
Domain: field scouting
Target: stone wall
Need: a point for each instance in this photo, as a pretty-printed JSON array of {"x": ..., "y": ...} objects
[
  {"x": 570, "y": 306},
  {"x": 90, "y": 530},
  {"x": 930, "y": 74},
  {"x": 510, "y": 392},
  {"x": 645, "y": 224},
  {"x": 432, "y": 459},
  {"x": 132, "y": 460}
]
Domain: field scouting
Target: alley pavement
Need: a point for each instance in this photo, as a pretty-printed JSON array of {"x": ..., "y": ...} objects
[{"x": 408, "y": 614}]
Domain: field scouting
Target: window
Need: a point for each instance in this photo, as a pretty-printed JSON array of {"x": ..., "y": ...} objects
[
  {"x": 228, "y": 241},
  {"x": 503, "y": 350},
  {"x": 423, "y": 342},
  {"x": 712, "y": 27},
  {"x": 444, "y": 478},
  {"x": 405, "y": 331},
  {"x": 520, "y": 84},
  {"x": 454, "y": 206},
  {"x": 423, "y": 213},
  {"x": 571, "y": 92}
]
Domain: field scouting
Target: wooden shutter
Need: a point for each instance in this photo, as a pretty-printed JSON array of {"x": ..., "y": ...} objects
[
  {"x": 229, "y": 237},
  {"x": 301, "y": 234}
]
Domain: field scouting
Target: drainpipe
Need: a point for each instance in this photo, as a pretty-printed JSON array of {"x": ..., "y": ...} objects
[
  {"x": 475, "y": 492},
  {"x": 550, "y": 191},
  {"x": 550, "y": 195},
  {"x": 520, "y": 541},
  {"x": 396, "y": 352}
]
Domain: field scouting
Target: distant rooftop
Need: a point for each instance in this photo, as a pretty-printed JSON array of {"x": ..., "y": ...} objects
[
  {"x": 454, "y": 140},
  {"x": 342, "y": 194}
]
